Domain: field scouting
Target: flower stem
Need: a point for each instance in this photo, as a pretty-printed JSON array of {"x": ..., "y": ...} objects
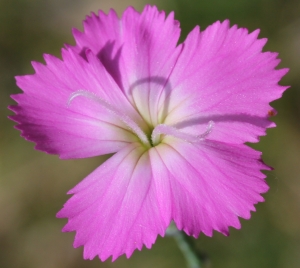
[{"x": 192, "y": 257}]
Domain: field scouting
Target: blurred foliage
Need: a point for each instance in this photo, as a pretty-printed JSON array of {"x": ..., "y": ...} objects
[{"x": 33, "y": 184}]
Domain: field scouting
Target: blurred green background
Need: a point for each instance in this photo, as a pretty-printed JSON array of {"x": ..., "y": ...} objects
[{"x": 33, "y": 185}]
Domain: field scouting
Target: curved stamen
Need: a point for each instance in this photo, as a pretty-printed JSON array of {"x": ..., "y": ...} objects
[
  {"x": 172, "y": 131},
  {"x": 123, "y": 117}
]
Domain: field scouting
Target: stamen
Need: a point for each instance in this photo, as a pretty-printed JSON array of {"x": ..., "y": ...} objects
[
  {"x": 123, "y": 117},
  {"x": 172, "y": 131}
]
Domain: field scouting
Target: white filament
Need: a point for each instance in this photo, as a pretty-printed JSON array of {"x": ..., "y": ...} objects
[
  {"x": 123, "y": 117},
  {"x": 172, "y": 131}
]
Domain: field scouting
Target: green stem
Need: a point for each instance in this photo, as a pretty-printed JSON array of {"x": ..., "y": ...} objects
[{"x": 189, "y": 252}]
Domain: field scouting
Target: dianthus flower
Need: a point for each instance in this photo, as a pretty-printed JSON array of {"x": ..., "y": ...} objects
[{"x": 175, "y": 117}]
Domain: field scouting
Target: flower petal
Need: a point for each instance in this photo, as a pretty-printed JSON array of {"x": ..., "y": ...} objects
[
  {"x": 222, "y": 75},
  {"x": 115, "y": 209},
  {"x": 81, "y": 129},
  {"x": 139, "y": 51},
  {"x": 211, "y": 184}
]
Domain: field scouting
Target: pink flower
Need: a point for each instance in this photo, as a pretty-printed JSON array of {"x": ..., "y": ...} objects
[{"x": 176, "y": 118}]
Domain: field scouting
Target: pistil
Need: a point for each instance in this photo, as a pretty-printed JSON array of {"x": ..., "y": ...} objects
[
  {"x": 121, "y": 116},
  {"x": 163, "y": 129}
]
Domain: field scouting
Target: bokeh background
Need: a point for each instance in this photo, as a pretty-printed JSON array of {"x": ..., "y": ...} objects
[{"x": 33, "y": 185}]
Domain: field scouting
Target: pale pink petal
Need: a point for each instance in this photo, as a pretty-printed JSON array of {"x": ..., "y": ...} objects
[
  {"x": 211, "y": 184},
  {"x": 115, "y": 209},
  {"x": 139, "y": 51},
  {"x": 222, "y": 75},
  {"x": 82, "y": 128}
]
